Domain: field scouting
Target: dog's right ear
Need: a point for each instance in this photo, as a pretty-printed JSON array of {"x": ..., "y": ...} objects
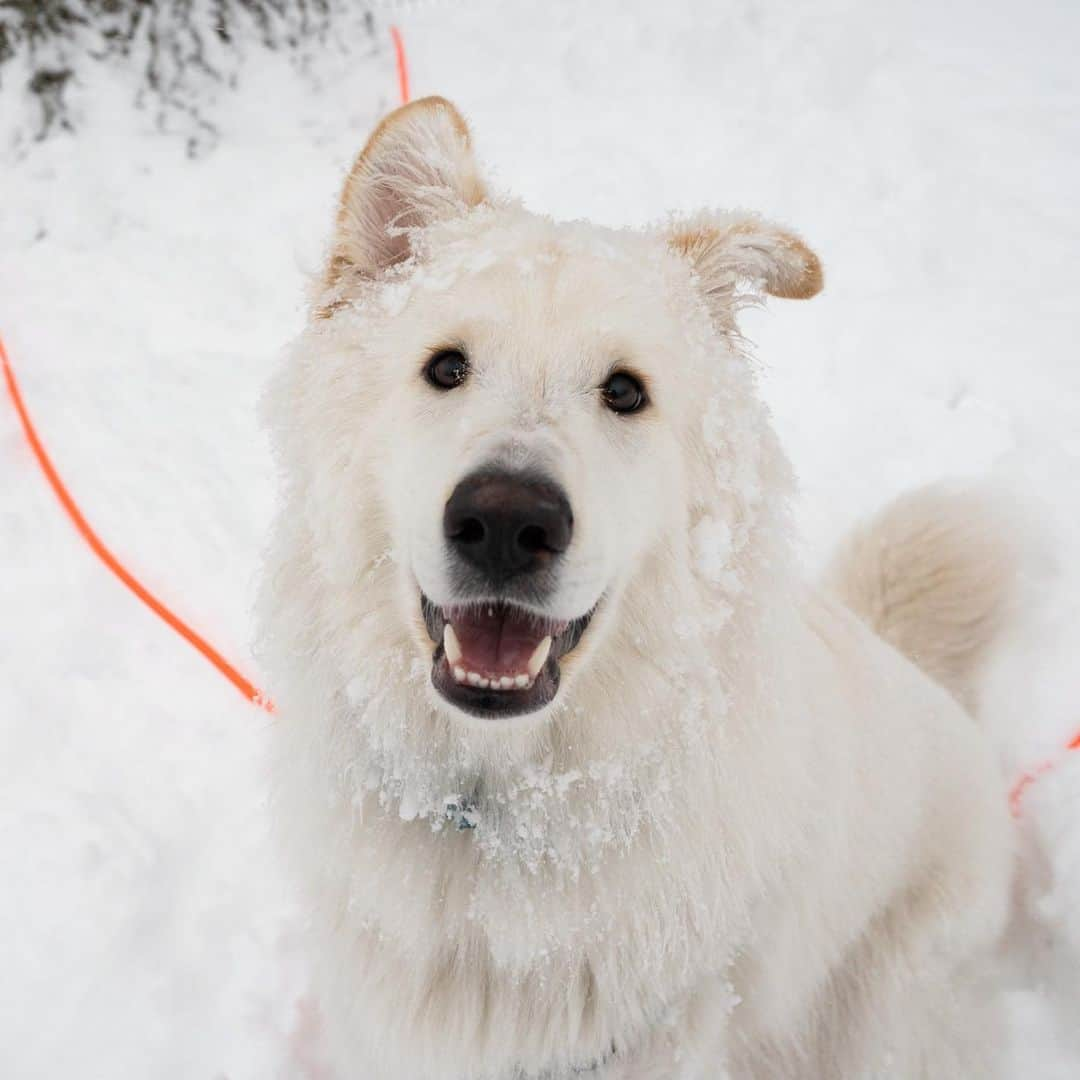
[{"x": 416, "y": 169}]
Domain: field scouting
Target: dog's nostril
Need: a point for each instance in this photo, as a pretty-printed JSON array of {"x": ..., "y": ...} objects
[
  {"x": 469, "y": 531},
  {"x": 534, "y": 539}
]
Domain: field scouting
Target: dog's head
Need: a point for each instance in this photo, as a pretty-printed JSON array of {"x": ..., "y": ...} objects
[{"x": 525, "y": 421}]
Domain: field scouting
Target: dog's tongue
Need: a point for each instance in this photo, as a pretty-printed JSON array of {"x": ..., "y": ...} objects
[{"x": 501, "y": 640}]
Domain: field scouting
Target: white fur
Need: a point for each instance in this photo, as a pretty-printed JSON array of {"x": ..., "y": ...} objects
[{"x": 748, "y": 838}]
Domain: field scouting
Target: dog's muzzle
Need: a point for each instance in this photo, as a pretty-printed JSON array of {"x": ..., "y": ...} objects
[{"x": 496, "y": 653}]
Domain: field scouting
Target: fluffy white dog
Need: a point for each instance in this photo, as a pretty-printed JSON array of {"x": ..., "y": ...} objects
[{"x": 577, "y": 775}]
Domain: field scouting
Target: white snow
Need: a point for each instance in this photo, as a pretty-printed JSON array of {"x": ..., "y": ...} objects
[{"x": 929, "y": 153}]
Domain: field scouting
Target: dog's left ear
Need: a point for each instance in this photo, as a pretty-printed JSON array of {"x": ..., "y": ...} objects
[
  {"x": 729, "y": 250},
  {"x": 417, "y": 168}
]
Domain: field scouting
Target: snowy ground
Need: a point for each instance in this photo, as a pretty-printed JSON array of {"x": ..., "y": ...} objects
[{"x": 929, "y": 152}]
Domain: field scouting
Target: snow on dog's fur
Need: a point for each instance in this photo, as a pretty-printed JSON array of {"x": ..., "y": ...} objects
[{"x": 731, "y": 830}]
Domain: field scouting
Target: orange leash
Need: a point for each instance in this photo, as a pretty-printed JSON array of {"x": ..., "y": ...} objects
[
  {"x": 97, "y": 545},
  {"x": 1026, "y": 779},
  {"x": 402, "y": 65},
  {"x": 248, "y": 689}
]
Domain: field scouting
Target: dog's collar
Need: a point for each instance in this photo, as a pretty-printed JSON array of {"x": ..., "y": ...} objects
[{"x": 462, "y": 811}]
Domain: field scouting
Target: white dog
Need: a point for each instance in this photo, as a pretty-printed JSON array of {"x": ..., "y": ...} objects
[{"x": 578, "y": 777}]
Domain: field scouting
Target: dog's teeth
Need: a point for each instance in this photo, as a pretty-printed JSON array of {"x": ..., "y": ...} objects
[
  {"x": 539, "y": 657},
  {"x": 501, "y": 682},
  {"x": 451, "y": 646}
]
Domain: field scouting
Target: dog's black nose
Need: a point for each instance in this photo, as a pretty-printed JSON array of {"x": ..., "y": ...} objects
[{"x": 506, "y": 523}]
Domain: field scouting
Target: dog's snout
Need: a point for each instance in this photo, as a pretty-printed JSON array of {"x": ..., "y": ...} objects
[{"x": 506, "y": 523}]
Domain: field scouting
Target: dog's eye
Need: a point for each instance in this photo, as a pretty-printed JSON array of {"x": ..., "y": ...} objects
[
  {"x": 623, "y": 393},
  {"x": 446, "y": 369}
]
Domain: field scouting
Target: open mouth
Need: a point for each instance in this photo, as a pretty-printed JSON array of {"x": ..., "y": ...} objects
[{"x": 497, "y": 659}]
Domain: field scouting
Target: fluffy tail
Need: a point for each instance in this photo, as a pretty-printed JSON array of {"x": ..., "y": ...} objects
[{"x": 932, "y": 573}]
